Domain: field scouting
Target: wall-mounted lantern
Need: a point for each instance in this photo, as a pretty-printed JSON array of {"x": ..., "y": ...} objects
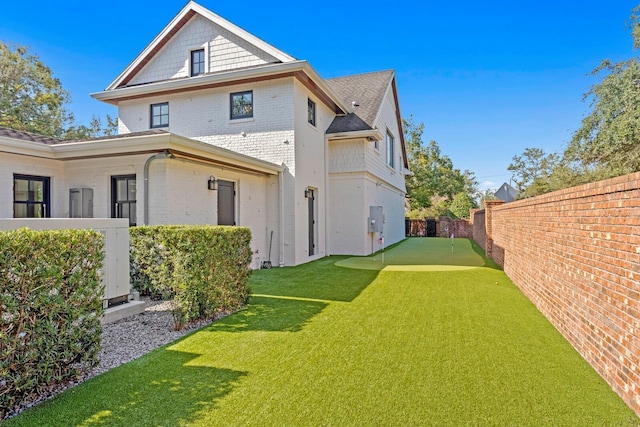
[
  {"x": 212, "y": 184},
  {"x": 308, "y": 193}
]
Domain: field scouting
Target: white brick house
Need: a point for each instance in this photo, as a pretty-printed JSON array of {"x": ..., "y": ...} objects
[{"x": 293, "y": 154}]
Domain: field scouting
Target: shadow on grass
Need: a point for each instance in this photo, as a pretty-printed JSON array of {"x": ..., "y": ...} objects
[
  {"x": 318, "y": 280},
  {"x": 270, "y": 314},
  {"x": 488, "y": 262},
  {"x": 160, "y": 389}
]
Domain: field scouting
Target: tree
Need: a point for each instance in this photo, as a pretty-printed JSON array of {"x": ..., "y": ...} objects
[
  {"x": 94, "y": 130},
  {"x": 532, "y": 171},
  {"x": 462, "y": 204},
  {"x": 608, "y": 141},
  {"x": 434, "y": 181},
  {"x": 31, "y": 98}
]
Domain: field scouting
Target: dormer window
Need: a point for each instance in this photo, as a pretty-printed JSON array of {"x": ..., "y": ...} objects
[{"x": 197, "y": 62}]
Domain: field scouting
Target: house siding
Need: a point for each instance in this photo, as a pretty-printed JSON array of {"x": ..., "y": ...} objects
[{"x": 226, "y": 52}]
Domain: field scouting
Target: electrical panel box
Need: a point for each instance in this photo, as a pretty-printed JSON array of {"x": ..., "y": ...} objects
[
  {"x": 81, "y": 203},
  {"x": 375, "y": 220}
]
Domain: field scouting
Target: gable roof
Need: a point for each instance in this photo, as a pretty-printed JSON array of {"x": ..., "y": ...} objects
[
  {"x": 181, "y": 19},
  {"x": 507, "y": 193},
  {"x": 365, "y": 93}
]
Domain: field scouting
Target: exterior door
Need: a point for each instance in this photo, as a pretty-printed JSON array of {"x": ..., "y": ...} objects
[
  {"x": 226, "y": 203},
  {"x": 31, "y": 196},
  {"x": 312, "y": 221},
  {"x": 123, "y": 197}
]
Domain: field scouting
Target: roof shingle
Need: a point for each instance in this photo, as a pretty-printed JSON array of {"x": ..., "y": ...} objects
[
  {"x": 366, "y": 93},
  {"x": 28, "y": 136}
]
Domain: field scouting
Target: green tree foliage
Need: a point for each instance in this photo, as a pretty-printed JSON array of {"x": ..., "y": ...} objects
[
  {"x": 532, "y": 171},
  {"x": 95, "y": 129},
  {"x": 434, "y": 181},
  {"x": 608, "y": 142},
  {"x": 486, "y": 195},
  {"x": 33, "y": 100},
  {"x": 462, "y": 204}
]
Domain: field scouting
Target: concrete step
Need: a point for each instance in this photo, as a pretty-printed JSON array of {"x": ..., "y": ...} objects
[{"x": 121, "y": 311}]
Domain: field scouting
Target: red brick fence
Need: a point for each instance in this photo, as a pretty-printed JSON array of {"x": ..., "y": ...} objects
[{"x": 575, "y": 254}]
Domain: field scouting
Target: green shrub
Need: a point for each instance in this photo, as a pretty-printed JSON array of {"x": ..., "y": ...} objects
[
  {"x": 204, "y": 269},
  {"x": 50, "y": 309}
]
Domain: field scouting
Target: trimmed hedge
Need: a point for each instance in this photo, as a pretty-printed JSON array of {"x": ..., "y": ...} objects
[
  {"x": 204, "y": 269},
  {"x": 50, "y": 309}
]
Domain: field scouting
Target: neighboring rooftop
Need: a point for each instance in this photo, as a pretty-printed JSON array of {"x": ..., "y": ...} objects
[{"x": 365, "y": 93}]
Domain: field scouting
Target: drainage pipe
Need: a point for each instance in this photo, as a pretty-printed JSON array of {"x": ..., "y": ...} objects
[{"x": 281, "y": 215}]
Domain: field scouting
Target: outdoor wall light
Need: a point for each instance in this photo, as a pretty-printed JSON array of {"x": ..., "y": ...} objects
[
  {"x": 212, "y": 184},
  {"x": 307, "y": 193}
]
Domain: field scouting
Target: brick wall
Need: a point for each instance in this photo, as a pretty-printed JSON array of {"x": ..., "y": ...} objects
[
  {"x": 479, "y": 227},
  {"x": 459, "y": 227},
  {"x": 575, "y": 254}
]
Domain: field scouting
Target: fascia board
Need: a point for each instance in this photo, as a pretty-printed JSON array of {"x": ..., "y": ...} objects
[{"x": 28, "y": 148}]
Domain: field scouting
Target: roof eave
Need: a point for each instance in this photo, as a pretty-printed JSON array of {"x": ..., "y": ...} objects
[
  {"x": 156, "y": 143},
  {"x": 287, "y": 69},
  {"x": 369, "y": 134}
]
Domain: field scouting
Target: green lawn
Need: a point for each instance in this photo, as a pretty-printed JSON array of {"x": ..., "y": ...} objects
[{"x": 325, "y": 345}]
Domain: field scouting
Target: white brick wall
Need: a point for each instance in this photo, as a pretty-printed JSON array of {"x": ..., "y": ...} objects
[
  {"x": 226, "y": 52},
  {"x": 351, "y": 196},
  {"x": 14, "y": 164}
]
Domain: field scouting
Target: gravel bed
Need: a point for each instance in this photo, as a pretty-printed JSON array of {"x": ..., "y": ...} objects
[{"x": 128, "y": 339}]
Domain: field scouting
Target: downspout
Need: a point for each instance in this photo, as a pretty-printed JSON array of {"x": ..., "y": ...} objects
[
  {"x": 327, "y": 219},
  {"x": 145, "y": 174},
  {"x": 281, "y": 215}
]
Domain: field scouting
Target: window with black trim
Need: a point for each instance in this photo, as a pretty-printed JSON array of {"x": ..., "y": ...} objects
[
  {"x": 31, "y": 196},
  {"x": 390, "y": 149},
  {"x": 242, "y": 105},
  {"x": 123, "y": 197},
  {"x": 160, "y": 115},
  {"x": 311, "y": 112},
  {"x": 197, "y": 62}
]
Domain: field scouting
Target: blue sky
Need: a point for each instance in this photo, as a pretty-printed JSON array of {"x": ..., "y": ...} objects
[{"x": 488, "y": 79}]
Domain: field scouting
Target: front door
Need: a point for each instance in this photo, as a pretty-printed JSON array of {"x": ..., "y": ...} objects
[
  {"x": 226, "y": 203},
  {"x": 123, "y": 197}
]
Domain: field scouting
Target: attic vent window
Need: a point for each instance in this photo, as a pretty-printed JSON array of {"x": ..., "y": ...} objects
[{"x": 197, "y": 62}]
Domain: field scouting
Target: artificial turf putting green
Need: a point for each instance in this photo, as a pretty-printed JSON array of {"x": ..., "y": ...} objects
[{"x": 326, "y": 345}]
